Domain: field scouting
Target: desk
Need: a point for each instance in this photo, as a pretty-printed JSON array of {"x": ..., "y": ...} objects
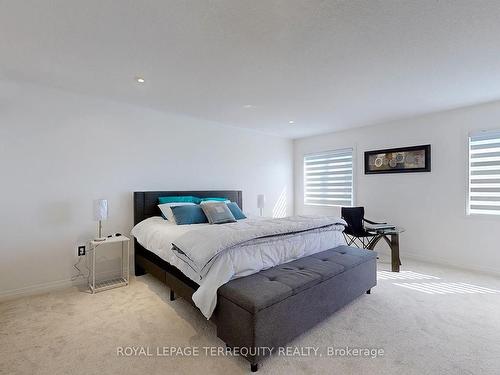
[{"x": 391, "y": 236}]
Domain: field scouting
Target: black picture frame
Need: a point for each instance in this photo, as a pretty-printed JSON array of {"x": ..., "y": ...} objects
[{"x": 399, "y": 167}]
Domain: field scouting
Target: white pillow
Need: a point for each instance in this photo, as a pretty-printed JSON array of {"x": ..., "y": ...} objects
[
  {"x": 166, "y": 209},
  {"x": 208, "y": 202}
]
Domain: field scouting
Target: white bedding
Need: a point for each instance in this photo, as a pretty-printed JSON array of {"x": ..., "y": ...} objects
[{"x": 157, "y": 235}]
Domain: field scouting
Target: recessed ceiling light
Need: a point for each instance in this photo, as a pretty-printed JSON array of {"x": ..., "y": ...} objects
[
  {"x": 140, "y": 79},
  {"x": 291, "y": 122},
  {"x": 248, "y": 106}
]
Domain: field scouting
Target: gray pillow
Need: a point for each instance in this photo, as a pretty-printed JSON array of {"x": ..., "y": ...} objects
[{"x": 218, "y": 213}]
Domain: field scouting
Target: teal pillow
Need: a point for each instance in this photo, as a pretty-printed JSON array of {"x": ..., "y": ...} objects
[
  {"x": 213, "y": 199},
  {"x": 189, "y": 215},
  {"x": 182, "y": 198},
  {"x": 236, "y": 211}
]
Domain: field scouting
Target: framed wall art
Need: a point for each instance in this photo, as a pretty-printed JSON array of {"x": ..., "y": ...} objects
[{"x": 399, "y": 160}]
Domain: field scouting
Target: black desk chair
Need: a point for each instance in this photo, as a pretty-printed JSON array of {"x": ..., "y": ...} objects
[{"x": 355, "y": 232}]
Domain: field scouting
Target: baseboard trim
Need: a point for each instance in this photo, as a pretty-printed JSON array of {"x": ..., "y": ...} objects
[
  {"x": 442, "y": 262},
  {"x": 39, "y": 289},
  {"x": 48, "y": 287}
]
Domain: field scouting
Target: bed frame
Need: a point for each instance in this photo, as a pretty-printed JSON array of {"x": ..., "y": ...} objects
[{"x": 145, "y": 206}]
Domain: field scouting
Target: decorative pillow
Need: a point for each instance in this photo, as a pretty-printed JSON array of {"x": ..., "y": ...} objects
[
  {"x": 189, "y": 214},
  {"x": 176, "y": 199},
  {"x": 218, "y": 213},
  {"x": 236, "y": 211},
  {"x": 166, "y": 209}
]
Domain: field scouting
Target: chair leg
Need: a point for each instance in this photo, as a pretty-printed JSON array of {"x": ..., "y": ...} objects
[
  {"x": 351, "y": 240},
  {"x": 348, "y": 239},
  {"x": 254, "y": 367}
]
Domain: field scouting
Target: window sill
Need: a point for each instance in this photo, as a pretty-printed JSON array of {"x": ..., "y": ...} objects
[{"x": 484, "y": 217}]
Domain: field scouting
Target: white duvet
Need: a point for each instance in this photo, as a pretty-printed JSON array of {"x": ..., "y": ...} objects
[{"x": 218, "y": 260}]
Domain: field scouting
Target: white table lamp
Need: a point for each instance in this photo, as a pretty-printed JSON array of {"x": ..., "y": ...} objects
[
  {"x": 261, "y": 202},
  {"x": 100, "y": 213}
]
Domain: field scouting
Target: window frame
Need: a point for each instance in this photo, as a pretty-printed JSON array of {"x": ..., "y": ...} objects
[
  {"x": 468, "y": 212},
  {"x": 353, "y": 178}
]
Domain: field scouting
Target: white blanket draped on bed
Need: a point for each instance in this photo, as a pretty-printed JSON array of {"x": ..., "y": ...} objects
[
  {"x": 200, "y": 247},
  {"x": 262, "y": 243}
]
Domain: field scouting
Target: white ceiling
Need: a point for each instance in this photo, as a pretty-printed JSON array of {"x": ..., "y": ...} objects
[{"x": 327, "y": 65}]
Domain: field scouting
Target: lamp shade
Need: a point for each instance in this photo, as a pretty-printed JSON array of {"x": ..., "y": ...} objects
[
  {"x": 100, "y": 209},
  {"x": 261, "y": 201}
]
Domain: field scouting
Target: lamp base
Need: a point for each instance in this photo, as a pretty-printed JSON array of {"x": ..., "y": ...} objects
[{"x": 99, "y": 232}]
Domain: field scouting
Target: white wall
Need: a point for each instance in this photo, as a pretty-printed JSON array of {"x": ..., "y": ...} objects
[
  {"x": 431, "y": 206},
  {"x": 60, "y": 151}
]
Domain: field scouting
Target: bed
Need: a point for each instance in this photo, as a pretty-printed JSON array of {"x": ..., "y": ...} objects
[
  {"x": 307, "y": 267},
  {"x": 212, "y": 255}
]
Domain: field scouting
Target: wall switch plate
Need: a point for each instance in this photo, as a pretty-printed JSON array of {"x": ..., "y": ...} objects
[{"x": 81, "y": 251}]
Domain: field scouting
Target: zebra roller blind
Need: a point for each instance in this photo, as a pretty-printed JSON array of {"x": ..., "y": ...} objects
[
  {"x": 484, "y": 173},
  {"x": 328, "y": 178}
]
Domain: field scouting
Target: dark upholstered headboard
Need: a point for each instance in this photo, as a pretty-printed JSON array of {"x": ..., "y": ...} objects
[{"x": 146, "y": 202}]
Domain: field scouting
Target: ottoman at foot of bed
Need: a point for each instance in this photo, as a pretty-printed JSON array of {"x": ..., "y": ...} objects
[{"x": 272, "y": 307}]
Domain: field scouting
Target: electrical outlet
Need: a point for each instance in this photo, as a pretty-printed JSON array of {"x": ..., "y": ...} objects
[{"x": 81, "y": 251}]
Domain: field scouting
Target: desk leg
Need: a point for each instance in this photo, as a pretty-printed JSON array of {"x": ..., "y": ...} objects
[
  {"x": 93, "y": 269},
  {"x": 395, "y": 252},
  {"x": 373, "y": 242},
  {"x": 122, "y": 266},
  {"x": 128, "y": 262}
]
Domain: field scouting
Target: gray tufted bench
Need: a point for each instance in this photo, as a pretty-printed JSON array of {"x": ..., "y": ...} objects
[{"x": 272, "y": 307}]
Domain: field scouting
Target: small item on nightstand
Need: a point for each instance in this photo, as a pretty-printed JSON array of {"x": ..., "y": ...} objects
[{"x": 261, "y": 201}]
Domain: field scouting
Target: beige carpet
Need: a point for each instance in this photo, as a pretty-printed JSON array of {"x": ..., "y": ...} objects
[{"x": 453, "y": 329}]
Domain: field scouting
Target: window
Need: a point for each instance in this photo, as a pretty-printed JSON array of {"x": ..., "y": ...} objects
[
  {"x": 484, "y": 173},
  {"x": 328, "y": 178}
]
